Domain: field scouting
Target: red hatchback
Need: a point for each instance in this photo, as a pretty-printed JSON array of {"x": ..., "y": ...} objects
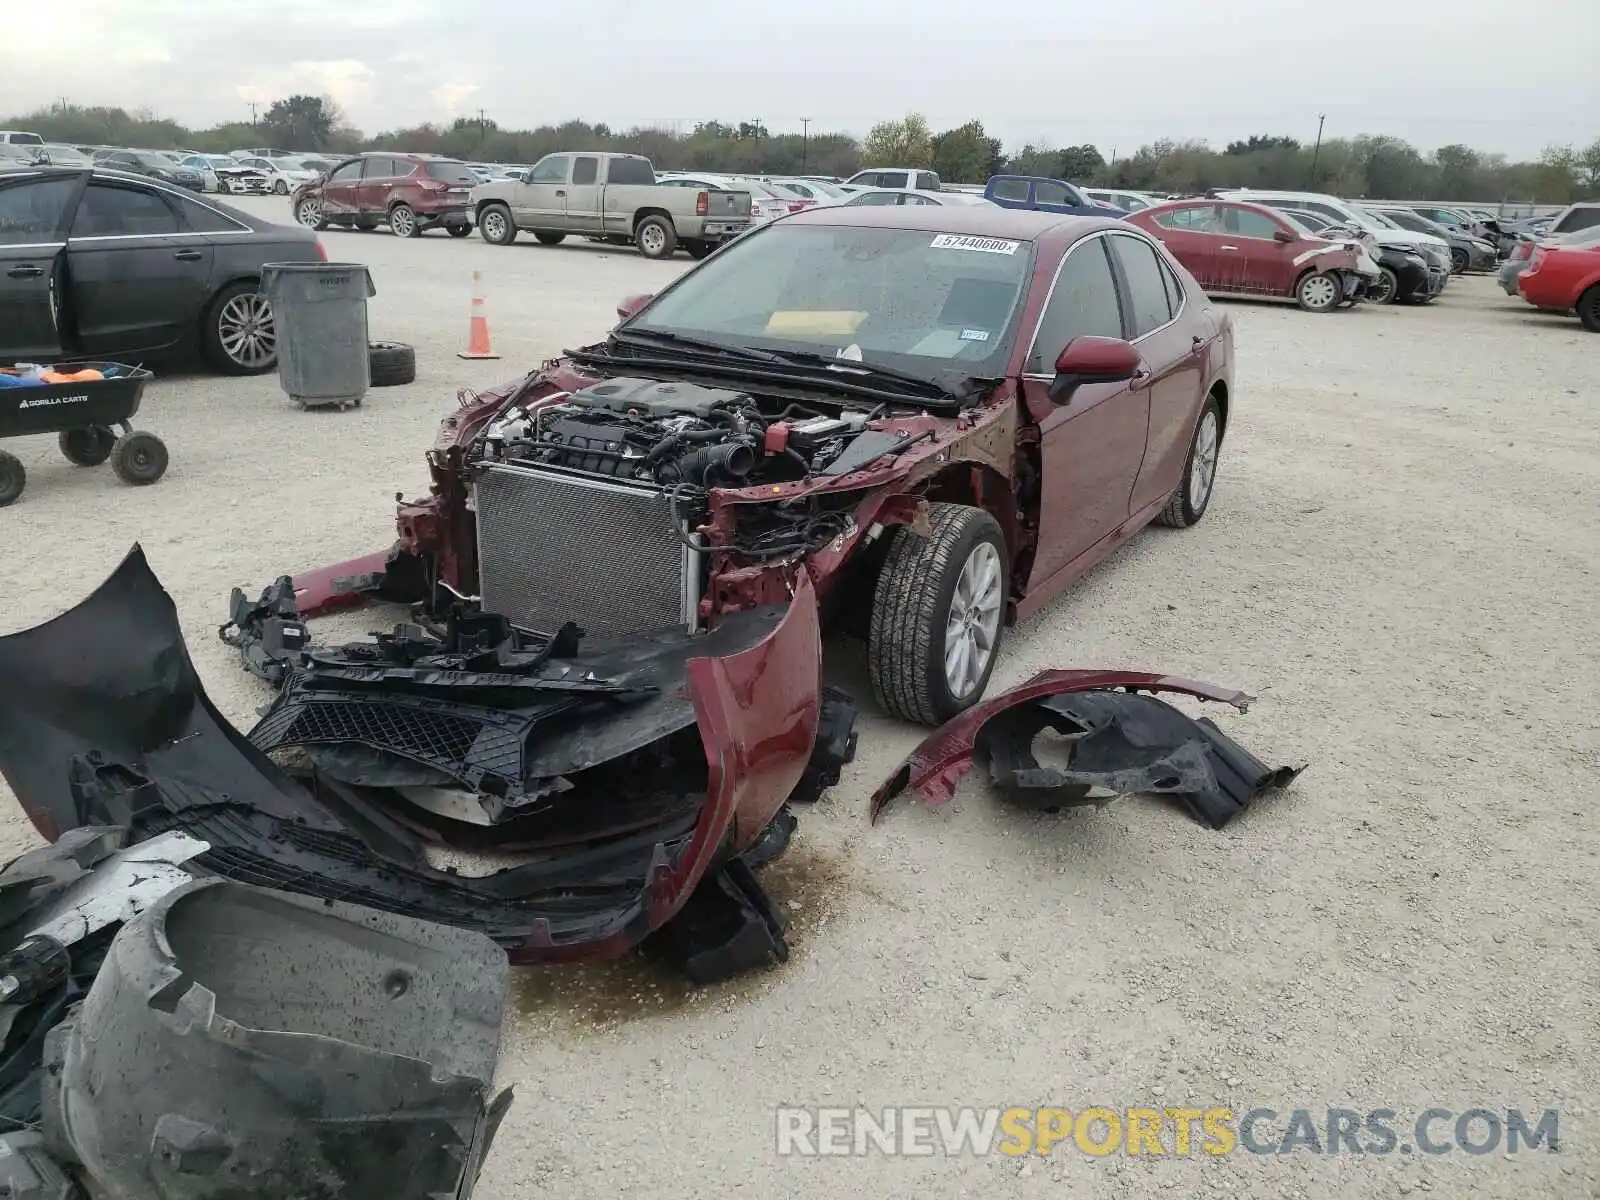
[
  {"x": 1565, "y": 277},
  {"x": 1233, "y": 248},
  {"x": 410, "y": 193}
]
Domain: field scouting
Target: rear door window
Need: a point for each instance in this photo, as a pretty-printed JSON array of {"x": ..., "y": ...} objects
[
  {"x": 1148, "y": 306},
  {"x": 110, "y": 211},
  {"x": 630, "y": 171},
  {"x": 202, "y": 218},
  {"x": 1015, "y": 190},
  {"x": 927, "y": 181},
  {"x": 585, "y": 169},
  {"x": 34, "y": 211},
  {"x": 1082, "y": 303},
  {"x": 892, "y": 179}
]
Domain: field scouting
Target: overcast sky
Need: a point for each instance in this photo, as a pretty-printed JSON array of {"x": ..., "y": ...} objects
[{"x": 1509, "y": 78}]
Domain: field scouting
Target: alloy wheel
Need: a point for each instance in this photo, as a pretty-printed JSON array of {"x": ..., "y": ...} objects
[
  {"x": 246, "y": 331},
  {"x": 309, "y": 213},
  {"x": 1203, "y": 468},
  {"x": 402, "y": 222},
  {"x": 974, "y": 621}
]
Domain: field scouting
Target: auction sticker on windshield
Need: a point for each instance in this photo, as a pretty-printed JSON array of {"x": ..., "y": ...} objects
[{"x": 984, "y": 245}]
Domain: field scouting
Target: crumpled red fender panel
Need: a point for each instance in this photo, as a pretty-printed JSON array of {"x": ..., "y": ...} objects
[{"x": 937, "y": 765}]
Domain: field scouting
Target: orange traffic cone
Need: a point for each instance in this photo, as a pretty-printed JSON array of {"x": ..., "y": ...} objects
[{"x": 478, "y": 345}]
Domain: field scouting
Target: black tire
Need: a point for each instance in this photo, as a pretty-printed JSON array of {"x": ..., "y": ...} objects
[
  {"x": 212, "y": 337},
  {"x": 391, "y": 363},
  {"x": 1589, "y": 309},
  {"x": 1460, "y": 260},
  {"x": 911, "y": 607},
  {"x": 1386, "y": 289},
  {"x": 655, "y": 237},
  {"x": 1181, "y": 511},
  {"x": 403, "y": 222},
  {"x": 139, "y": 458},
  {"x": 308, "y": 212},
  {"x": 458, "y": 230},
  {"x": 1319, "y": 291},
  {"x": 549, "y": 239},
  {"x": 496, "y": 225},
  {"x": 87, "y": 447},
  {"x": 13, "y": 478},
  {"x": 366, "y": 224},
  {"x": 700, "y": 250}
]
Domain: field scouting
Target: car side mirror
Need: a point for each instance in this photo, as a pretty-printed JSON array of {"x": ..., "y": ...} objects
[
  {"x": 633, "y": 304},
  {"x": 1090, "y": 359},
  {"x": 1282, "y": 235}
]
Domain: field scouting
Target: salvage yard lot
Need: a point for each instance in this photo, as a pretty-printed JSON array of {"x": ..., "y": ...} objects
[{"x": 1399, "y": 562}]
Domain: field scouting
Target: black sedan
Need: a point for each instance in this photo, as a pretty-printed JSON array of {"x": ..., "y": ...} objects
[{"x": 101, "y": 265}]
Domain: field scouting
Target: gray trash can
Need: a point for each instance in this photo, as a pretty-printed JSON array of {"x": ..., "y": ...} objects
[{"x": 319, "y": 311}]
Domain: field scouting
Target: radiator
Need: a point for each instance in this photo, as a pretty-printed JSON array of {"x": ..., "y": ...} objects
[{"x": 554, "y": 547}]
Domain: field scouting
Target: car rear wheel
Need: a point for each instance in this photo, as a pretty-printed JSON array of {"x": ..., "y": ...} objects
[
  {"x": 938, "y": 614},
  {"x": 1459, "y": 260},
  {"x": 700, "y": 250},
  {"x": 1193, "y": 497},
  {"x": 238, "y": 336},
  {"x": 1385, "y": 288},
  {"x": 403, "y": 222},
  {"x": 1589, "y": 309},
  {"x": 655, "y": 237},
  {"x": 549, "y": 239},
  {"x": 1319, "y": 292},
  {"x": 309, "y": 213},
  {"x": 496, "y": 225},
  {"x": 459, "y": 229}
]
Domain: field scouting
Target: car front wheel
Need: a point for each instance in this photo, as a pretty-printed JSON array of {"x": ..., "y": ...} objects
[
  {"x": 1193, "y": 497},
  {"x": 309, "y": 213},
  {"x": 1589, "y": 309},
  {"x": 1319, "y": 292},
  {"x": 938, "y": 613},
  {"x": 403, "y": 222}
]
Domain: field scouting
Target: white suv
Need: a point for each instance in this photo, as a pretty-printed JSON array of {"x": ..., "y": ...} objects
[{"x": 894, "y": 179}]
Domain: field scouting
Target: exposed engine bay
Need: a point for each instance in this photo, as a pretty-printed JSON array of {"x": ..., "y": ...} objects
[
  {"x": 671, "y": 434},
  {"x": 589, "y": 502}
]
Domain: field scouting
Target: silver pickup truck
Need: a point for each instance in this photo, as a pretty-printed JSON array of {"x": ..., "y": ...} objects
[{"x": 611, "y": 197}]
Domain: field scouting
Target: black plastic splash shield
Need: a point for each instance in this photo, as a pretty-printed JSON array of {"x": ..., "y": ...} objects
[{"x": 1122, "y": 743}]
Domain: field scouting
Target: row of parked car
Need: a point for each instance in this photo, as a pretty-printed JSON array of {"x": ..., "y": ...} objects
[
  {"x": 243, "y": 172},
  {"x": 1556, "y": 266}
]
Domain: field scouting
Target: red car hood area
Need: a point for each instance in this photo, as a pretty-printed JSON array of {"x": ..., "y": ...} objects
[{"x": 651, "y": 777}]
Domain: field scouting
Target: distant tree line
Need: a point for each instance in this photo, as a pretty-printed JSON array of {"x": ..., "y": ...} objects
[{"x": 1377, "y": 166}]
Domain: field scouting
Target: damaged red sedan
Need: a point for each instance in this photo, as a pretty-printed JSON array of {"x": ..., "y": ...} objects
[{"x": 940, "y": 416}]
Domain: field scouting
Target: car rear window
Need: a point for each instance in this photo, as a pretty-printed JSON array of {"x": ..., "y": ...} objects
[
  {"x": 451, "y": 172},
  {"x": 630, "y": 171},
  {"x": 1578, "y": 218}
]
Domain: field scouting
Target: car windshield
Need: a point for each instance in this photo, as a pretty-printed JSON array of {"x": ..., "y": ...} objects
[
  {"x": 1304, "y": 220},
  {"x": 451, "y": 172},
  {"x": 938, "y": 305}
]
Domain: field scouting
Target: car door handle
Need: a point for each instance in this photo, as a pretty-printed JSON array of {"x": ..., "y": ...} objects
[
  {"x": 26, "y": 271},
  {"x": 1197, "y": 344},
  {"x": 188, "y": 256},
  {"x": 1139, "y": 379},
  {"x": 560, "y": 193},
  {"x": 1230, "y": 247}
]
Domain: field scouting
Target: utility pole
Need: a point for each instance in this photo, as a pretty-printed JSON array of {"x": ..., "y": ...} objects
[
  {"x": 483, "y": 129},
  {"x": 1317, "y": 149},
  {"x": 253, "y": 107},
  {"x": 805, "y": 141}
]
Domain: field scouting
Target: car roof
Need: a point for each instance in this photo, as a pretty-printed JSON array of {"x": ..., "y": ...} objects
[
  {"x": 973, "y": 220},
  {"x": 254, "y": 223}
]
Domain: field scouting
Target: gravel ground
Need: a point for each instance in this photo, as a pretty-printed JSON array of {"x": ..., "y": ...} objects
[{"x": 1398, "y": 562}]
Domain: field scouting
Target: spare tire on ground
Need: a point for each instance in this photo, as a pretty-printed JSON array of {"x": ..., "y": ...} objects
[{"x": 391, "y": 363}]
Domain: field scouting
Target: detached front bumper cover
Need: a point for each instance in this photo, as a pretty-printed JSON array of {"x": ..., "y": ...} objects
[{"x": 1119, "y": 742}]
